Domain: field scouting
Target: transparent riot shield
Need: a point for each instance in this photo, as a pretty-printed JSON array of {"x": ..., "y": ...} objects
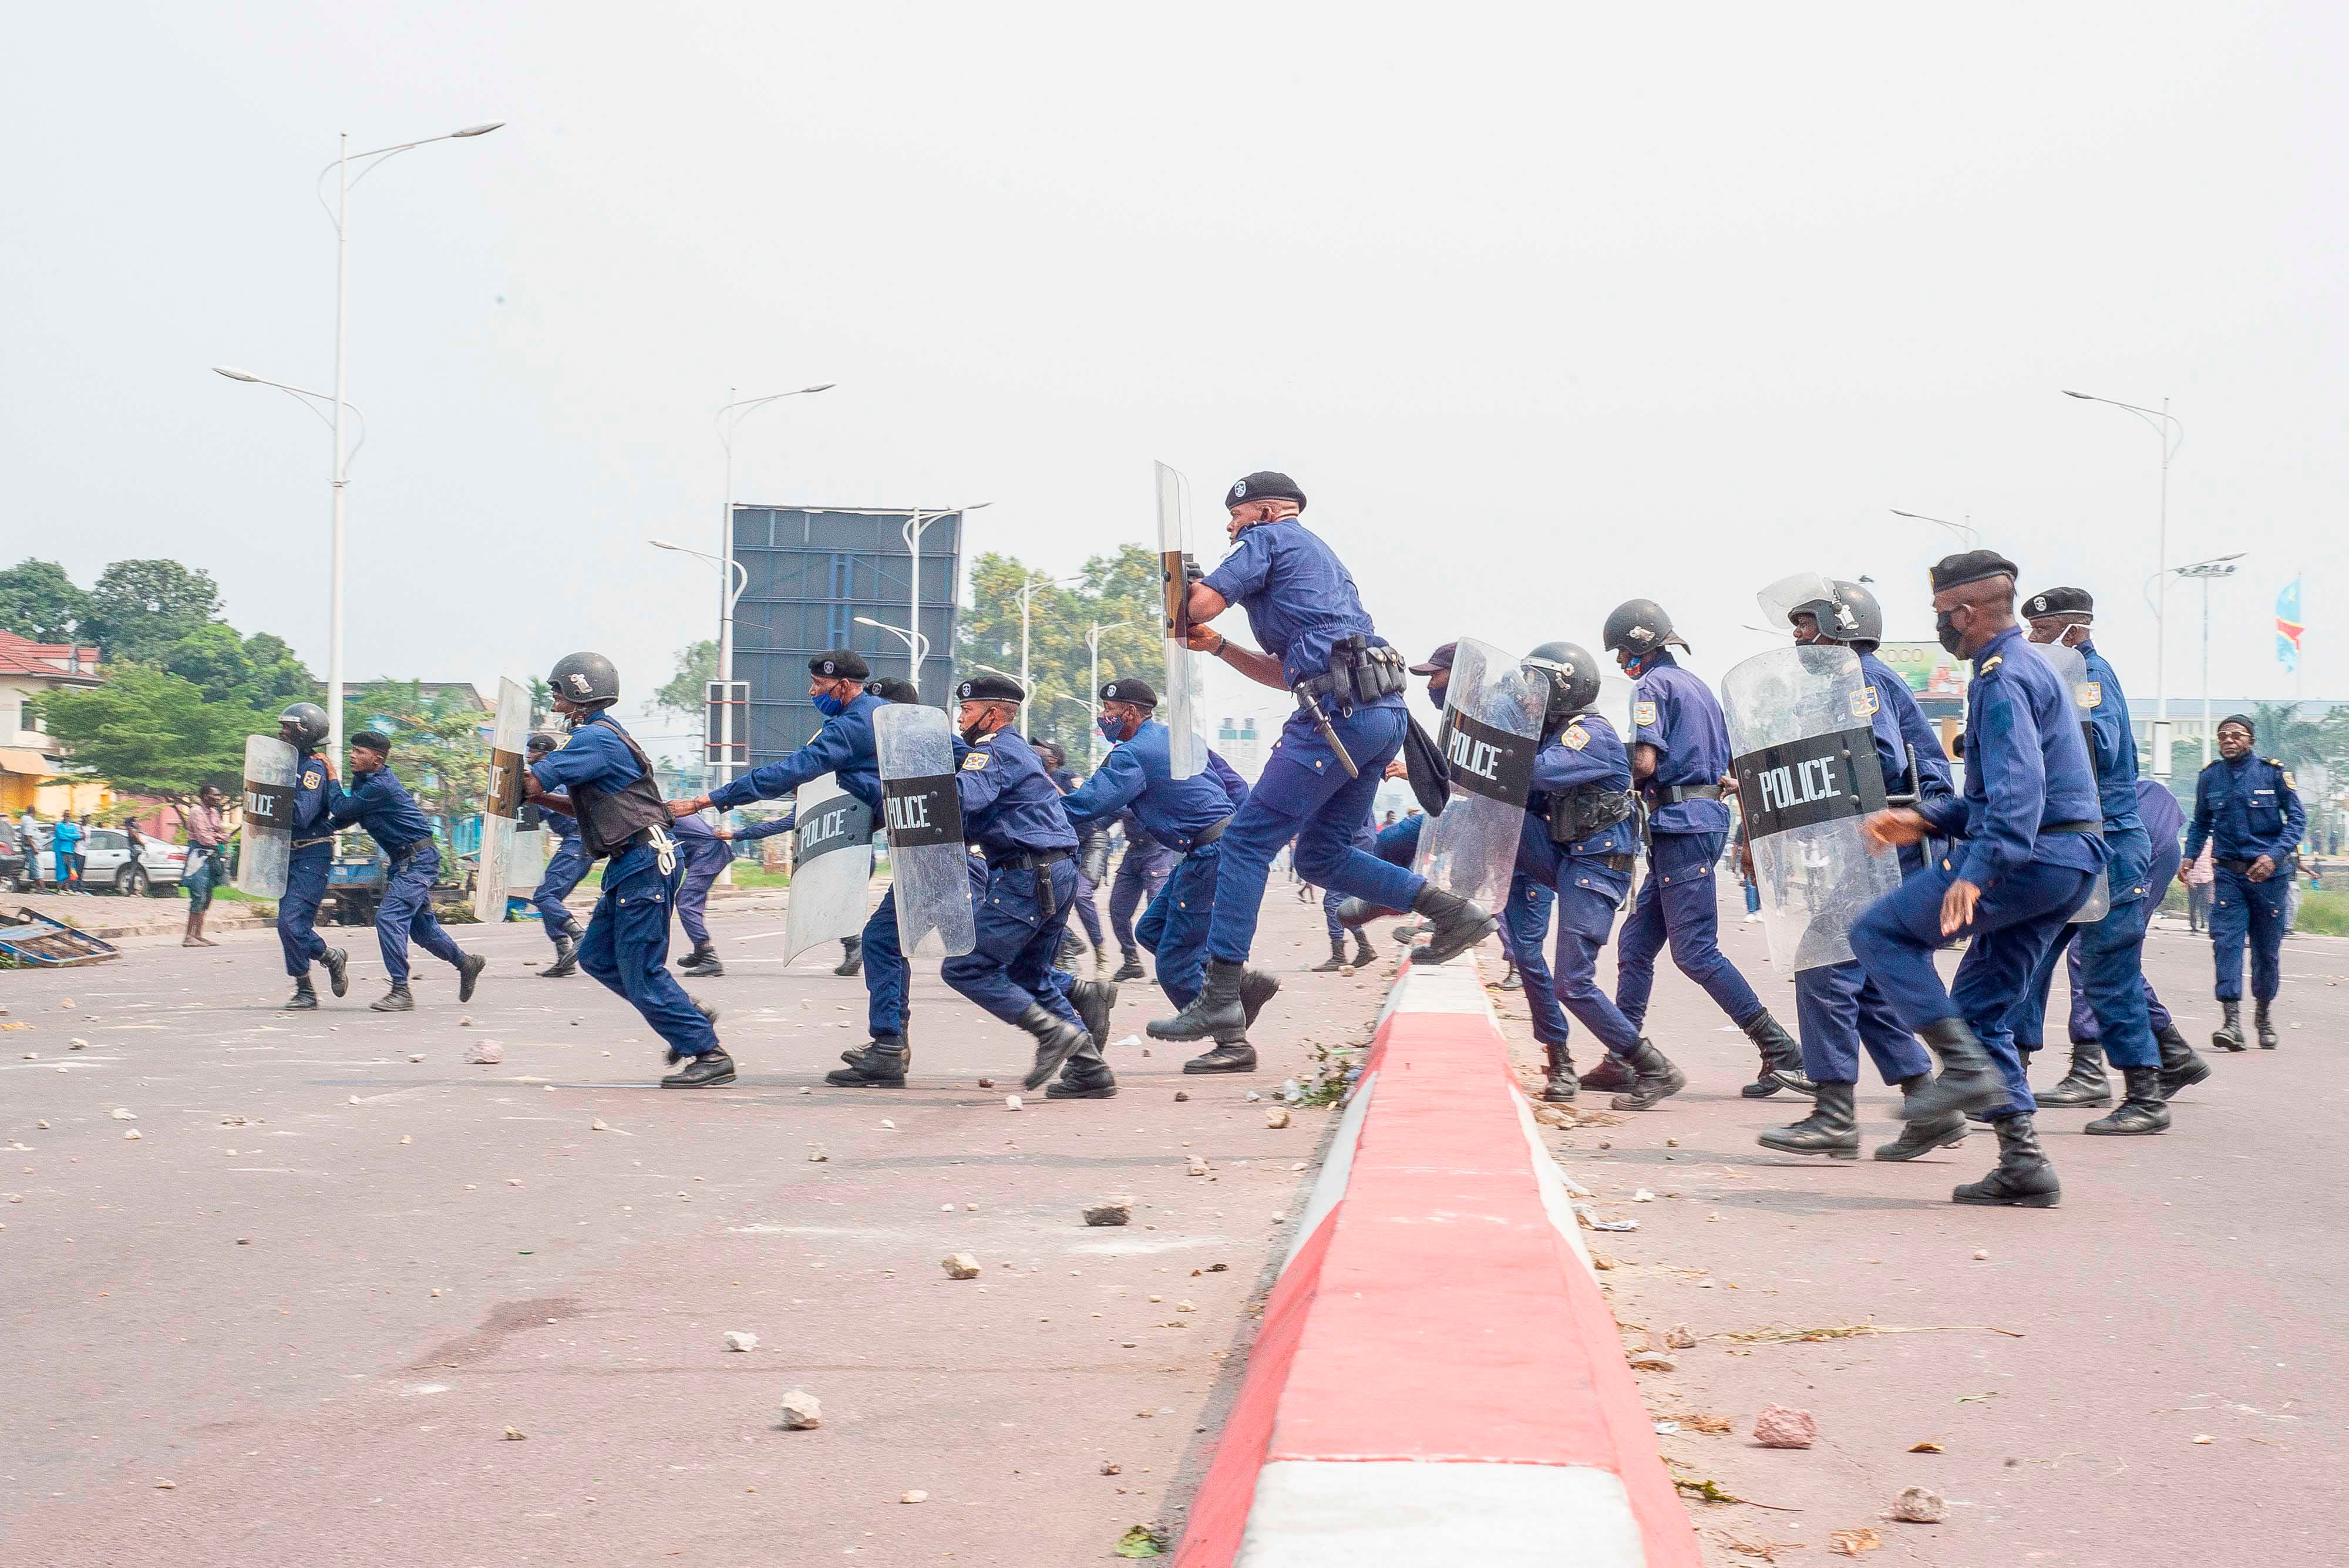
[
  {"x": 1616, "y": 695},
  {"x": 929, "y": 868},
  {"x": 270, "y": 767},
  {"x": 1179, "y": 704},
  {"x": 831, "y": 860},
  {"x": 1807, "y": 774},
  {"x": 501, "y": 802},
  {"x": 2071, "y": 667},
  {"x": 526, "y": 856},
  {"x": 1491, "y": 727}
]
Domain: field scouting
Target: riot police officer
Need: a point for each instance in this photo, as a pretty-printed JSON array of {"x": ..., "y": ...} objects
[
  {"x": 303, "y": 726},
  {"x": 380, "y": 803},
  {"x": 566, "y": 869},
  {"x": 1680, "y": 755},
  {"x": 2028, "y": 855},
  {"x": 1092, "y": 849},
  {"x": 1319, "y": 644},
  {"x": 707, "y": 852},
  {"x": 1141, "y": 872},
  {"x": 2248, "y": 808}
]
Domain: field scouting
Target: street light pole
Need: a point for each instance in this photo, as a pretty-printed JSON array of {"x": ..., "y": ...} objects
[
  {"x": 1965, "y": 530},
  {"x": 2206, "y": 573},
  {"x": 911, "y": 531},
  {"x": 1092, "y": 643},
  {"x": 2172, "y": 434},
  {"x": 730, "y": 591}
]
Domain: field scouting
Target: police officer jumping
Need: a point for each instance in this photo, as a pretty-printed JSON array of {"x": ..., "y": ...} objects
[
  {"x": 1316, "y": 787},
  {"x": 1680, "y": 754},
  {"x": 2029, "y": 854},
  {"x": 2248, "y": 809},
  {"x": 303, "y": 726},
  {"x": 604, "y": 781},
  {"x": 380, "y": 803},
  {"x": 566, "y": 869}
]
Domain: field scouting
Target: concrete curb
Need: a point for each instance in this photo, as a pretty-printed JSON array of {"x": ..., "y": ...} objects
[{"x": 1437, "y": 1379}]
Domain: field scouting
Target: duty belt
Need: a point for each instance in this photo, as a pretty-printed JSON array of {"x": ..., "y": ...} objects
[
  {"x": 1036, "y": 860},
  {"x": 306, "y": 842},
  {"x": 2243, "y": 867},
  {"x": 1613, "y": 862},
  {"x": 2096, "y": 827},
  {"x": 1673, "y": 795},
  {"x": 407, "y": 849},
  {"x": 1208, "y": 836}
]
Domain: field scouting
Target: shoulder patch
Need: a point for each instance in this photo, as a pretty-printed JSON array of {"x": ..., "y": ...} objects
[
  {"x": 1576, "y": 737},
  {"x": 975, "y": 760},
  {"x": 312, "y": 779},
  {"x": 1993, "y": 662},
  {"x": 1643, "y": 713},
  {"x": 2287, "y": 780},
  {"x": 2092, "y": 693},
  {"x": 1864, "y": 703}
]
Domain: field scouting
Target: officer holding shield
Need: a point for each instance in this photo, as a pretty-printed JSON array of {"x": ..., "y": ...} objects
[
  {"x": 303, "y": 726},
  {"x": 1319, "y": 643},
  {"x": 707, "y": 852},
  {"x": 1680, "y": 754},
  {"x": 377, "y": 802},
  {"x": 2029, "y": 854},
  {"x": 2248, "y": 809},
  {"x": 566, "y": 869}
]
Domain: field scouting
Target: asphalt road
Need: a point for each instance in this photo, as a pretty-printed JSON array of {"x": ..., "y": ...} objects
[{"x": 316, "y": 1323}]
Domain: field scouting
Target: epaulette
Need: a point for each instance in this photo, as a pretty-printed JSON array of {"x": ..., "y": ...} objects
[
  {"x": 2273, "y": 762},
  {"x": 2213, "y": 762},
  {"x": 1993, "y": 662}
]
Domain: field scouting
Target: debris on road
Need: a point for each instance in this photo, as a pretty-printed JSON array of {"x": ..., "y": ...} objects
[
  {"x": 960, "y": 1266},
  {"x": 1927, "y": 1447},
  {"x": 1920, "y": 1505},
  {"x": 485, "y": 1052},
  {"x": 817, "y": 1155},
  {"x": 1852, "y": 1543},
  {"x": 76, "y": 1043},
  {"x": 132, "y": 1135},
  {"x": 916, "y": 1496},
  {"x": 1010, "y": 1101},
  {"x": 1678, "y": 1337},
  {"x": 1276, "y": 1117},
  {"x": 1655, "y": 1361},
  {"x": 1115, "y": 1211},
  {"x": 1181, "y": 1096},
  {"x": 1783, "y": 1426},
  {"x": 1853, "y": 1331},
  {"x": 597, "y": 1126},
  {"x": 739, "y": 1339},
  {"x": 801, "y": 1412},
  {"x": 162, "y": 1484},
  {"x": 1198, "y": 1167},
  {"x": 122, "y": 1114},
  {"x": 515, "y": 1434},
  {"x": 1111, "y": 1469}
]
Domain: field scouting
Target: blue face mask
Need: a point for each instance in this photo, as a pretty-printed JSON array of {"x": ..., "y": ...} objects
[
  {"x": 1111, "y": 728},
  {"x": 830, "y": 706}
]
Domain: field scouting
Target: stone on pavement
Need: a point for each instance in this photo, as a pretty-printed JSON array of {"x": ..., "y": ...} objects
[
  {"x": 1783, "y": 1426},
  {"x": 1116, "y": 1210},
  {"x": 1920, "y": 1505},
  {"x": 801, "y": 1411}
]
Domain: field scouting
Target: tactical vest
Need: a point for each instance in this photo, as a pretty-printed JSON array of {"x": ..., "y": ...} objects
[
  {"x": 609, "y": 819},
  {"x": 1585, "y": 810}
]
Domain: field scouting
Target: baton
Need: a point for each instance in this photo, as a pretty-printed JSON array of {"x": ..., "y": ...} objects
[{"x": 1313, "y": 704}]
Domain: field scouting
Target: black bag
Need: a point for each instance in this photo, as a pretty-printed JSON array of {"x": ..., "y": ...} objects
[
  {"x": 1576, "y": 814},
  {"x": 1431, "y": 781}
]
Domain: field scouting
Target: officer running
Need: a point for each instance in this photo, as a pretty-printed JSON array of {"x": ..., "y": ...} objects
[
  {"x": 303, "y": 726},
  {"x": 2248, "y": 809},
  {"x": 377, "y": 802},
  {"x": 2030, "y": 854},
  {"x": 566, "y": 869},
  {"x": 1320, "y": 645},
  {"x": 1092, "y": 851},
  {"x": 1680, "y": 755},
  {"x": 604, "y": 781},
  {"x": 2165, "y": 826},
  {"x": 707, "y": 852},
  {"x": 1141, "y": 873}
]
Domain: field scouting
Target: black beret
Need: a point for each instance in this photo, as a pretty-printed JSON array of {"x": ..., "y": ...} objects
[
  {"x": 1265, "y": 485},
  {"x": 989, "y": 686},
  {"x": 840, "y": 664},
  {"x": 889, "y": 689},
  {"x": 2059, "y": 601},
  {"x": 1440, "y": 659},
  {"x": 1129, "y": 690},
  {"x": 1974, "y": 567},
  {"x": 374, "y": 740}
]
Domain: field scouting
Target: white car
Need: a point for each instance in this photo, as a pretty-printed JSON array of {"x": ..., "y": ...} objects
[{"x": 106, "y": 863}]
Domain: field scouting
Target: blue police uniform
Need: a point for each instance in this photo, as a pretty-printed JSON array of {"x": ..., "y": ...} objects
[
  {"x": 2158, "y": 810},
  {"x": 1189, "y": 816},
  {"x": 566, "y": 867},
  {"x": 705, "y": 857},
  {"x": 627, "y": 944},
  {"x": 1300, "y": 603},
  {"x": 2027, "y": 826},
  {"x": 381, "y": 805},
  {"x": 314, "y": 793},
  {"x": 1687, "y": 826},
  {"x": 1087, "y": 910},
  {"x": 2244, "y": 809},
  {"x": 1587, "y": 879},
  {"x": 1141, "y": 872}
]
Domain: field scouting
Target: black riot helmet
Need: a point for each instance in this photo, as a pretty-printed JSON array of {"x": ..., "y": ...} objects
[
  {"x": 1860, "y": 601},
  {"x": 1846, "y": 613},
  {"x": 585, "y": 680},
  {"x": 1572, "y": 676},
  {"x": 309, "y": 721},
  {"x": 541, "y": 743},
  {"x": 1639, "y": 627}
]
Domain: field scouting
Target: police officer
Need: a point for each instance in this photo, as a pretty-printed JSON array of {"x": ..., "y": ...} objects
[
  {"x": 1141, "y": 873},
  {"x": 1091, "y": 851},
  {"x": 1366, "y": 838},
  {"x": 707, "y": 852},
  {"x": 1398, "y": 842},
  {"x": 1320, "y": 645},
  {"x": 1680, "y": 754},
  {"x": 2028, "y": 855},
  {"x": 303, "y": 726},
  {"x": 2248, "y": 808},
  {"x": 566, "y": 869},
  {"x": 377, "y": 802},
  {"x": 1580, "y": 834},
  {"x": 1837, "y": 1009},
  {"x": 604, "y": 781},
  {"x": 1190, "y": 814}
]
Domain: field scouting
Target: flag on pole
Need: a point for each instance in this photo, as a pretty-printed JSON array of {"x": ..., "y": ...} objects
[{"x": 2289, "y": 626}]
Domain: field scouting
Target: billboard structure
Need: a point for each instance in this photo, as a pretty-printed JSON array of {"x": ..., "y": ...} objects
[{"x": 815, "y": 578}]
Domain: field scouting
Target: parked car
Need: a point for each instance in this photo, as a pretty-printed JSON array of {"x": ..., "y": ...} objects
[{"x": 105, "y": 863}]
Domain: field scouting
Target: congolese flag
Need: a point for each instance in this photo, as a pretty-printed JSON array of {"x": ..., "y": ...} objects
[{"x": 2289, "y": 626}]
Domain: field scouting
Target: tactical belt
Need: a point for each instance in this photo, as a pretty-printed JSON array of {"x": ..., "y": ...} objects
[
  {"x": 1036, "y": 860},
  {"x": 2243, "y": 867},
  {"x": 1674, "y": 794},
  {"x": 2095, "y": 827},
  {"x": 1208, "y": 836},
  {"x": 407, "y": 849}
]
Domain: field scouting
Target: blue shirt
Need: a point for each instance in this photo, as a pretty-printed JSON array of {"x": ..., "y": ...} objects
[
  {"x": 563, "y": 829},
  {"x": 65, "y": 837},
  {"x": 1009, "y": 804},
  {"x": 699, "y": 843},
  {"x": 1585, "y": 751},
  {"x": 2114, "y": 745},
  {"x": 1137, "y": 776},
  {"x": 1675, "y": 712},
  {"x": 2157, "y": 809},
  {"x": 598, "y": 756},
  {"x": 1899, "y": 726},
  {"x": 2249, "y": 807},
  {"x": 843, "y": 746},
  {"x": 381, "y": 804},
  {"x": 1298, "y": 596},
  {"x": 314, "y": 797},
  {"x": 2026, "y": 769}
]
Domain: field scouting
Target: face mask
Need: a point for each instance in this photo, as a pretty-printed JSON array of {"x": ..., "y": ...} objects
[
  {"x": 1435, "y": 696},
  {"x": 1946, "y": 633},
  {"x": 1112, "y": 730},
  {"x": 830, "y": 706},
  {"x": 970, "y": 737}
]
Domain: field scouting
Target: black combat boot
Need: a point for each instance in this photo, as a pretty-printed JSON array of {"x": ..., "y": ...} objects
[
  {"x": 1073, "y": 948},
  {"x": 2229, "y": 1035},
  {"x": 2182, "y": 1066},
  {"x": 1215, "y": 1012},
  {"x": 1969, "y": 1079},
  {"x": 1613, "y": 1075},
  {"x": 305, "y": 998},
  {"x": 396, "y": 999},
  {"x": 1092, "y": 999},
  {"x": 1336, "y": 959},
  {"x": 566, "y": 957},
  {"x": 2266, "y": 1027},
  {"x": 880, "y": 1065},
  {"x": 1132, "y": 967},
  {"x": 1946, "y": 1131},
  {"x": 469, "y": 974},
  {"x": 339, "y": 969},
  {"x": 710, "y": 1070},
  {"x": 1782, "y": 1059},
  {"x": 2142, "y": 1110},
  {"x": 1406, "y": 933},
  {"x": 2023, "y": 1178},
  {"x": 852, "y": 955},
  {"x": 1228, "y": 1056},
  {"x": 1056, "y": 1040},
  {"x": 1562, "y": 1086},
  {"x": 1354, "y": 914},
  {"x": 709, "y": 1015},
  {"x": 2085, "y": 1084},
  {"x": 1510, "y": 979},
  {"x": 1256, "y": 987},
  {"x": 1654, "y": 1079},
  {"x": 1829, "y": 1129},
  {"x": 1086, "y": 1077},
  {"x": 1363, "y": 955},
  {"x": 701, "y": 963},
  {"x": 1455, "y": 925}
]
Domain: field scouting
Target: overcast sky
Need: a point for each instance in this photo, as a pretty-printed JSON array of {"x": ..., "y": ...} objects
[{"x": 1544, "y": 307}]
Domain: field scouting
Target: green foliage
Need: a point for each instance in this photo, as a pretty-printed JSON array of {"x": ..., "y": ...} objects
[
  {"x": 2325, "y": 913},
  {"x": 687, "y": 694},
  {"x": 37, "y": 600},
  {"x": 439, "y": 748},
  {"x": 149, "y": 731},
  {"x": 141, "y": 609},
  {"x": 1119, "y": 592}
]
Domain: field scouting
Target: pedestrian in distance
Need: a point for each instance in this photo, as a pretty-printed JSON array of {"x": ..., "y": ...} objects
[
  {"x": 207, "y": 863},
  {"x": 2246, "y": 811}
]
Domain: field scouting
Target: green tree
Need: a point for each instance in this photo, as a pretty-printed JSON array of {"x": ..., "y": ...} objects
[
  {"x": 148, "y": 731},
  {"x": 214, "y": 657},
  {"x": 440, "y": 747},
  {"x": 37, "y": 600},
  {"x": 277, "y": 677},
  {"x": 1118, "y": 592},
  {"x": 688, "y": 691},
  {"x": 141, "y": 609}
]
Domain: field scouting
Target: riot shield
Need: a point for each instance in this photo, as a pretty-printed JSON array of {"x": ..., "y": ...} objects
[
  {"x": 1616, "y": 693},
  {"x": 2071, "y": 667},
  {"x": 1807, "y": 774},
  {"x": 831, "y": 860},
  {"x": 930, "y": 867},
  {"x": 270, "y": 767},
  {"x": 526, "y": 856},
  {"x": 501, "y": 802},
  {"x": 1491, "y": 727},
  {"x": 1178, "y": 705}
]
